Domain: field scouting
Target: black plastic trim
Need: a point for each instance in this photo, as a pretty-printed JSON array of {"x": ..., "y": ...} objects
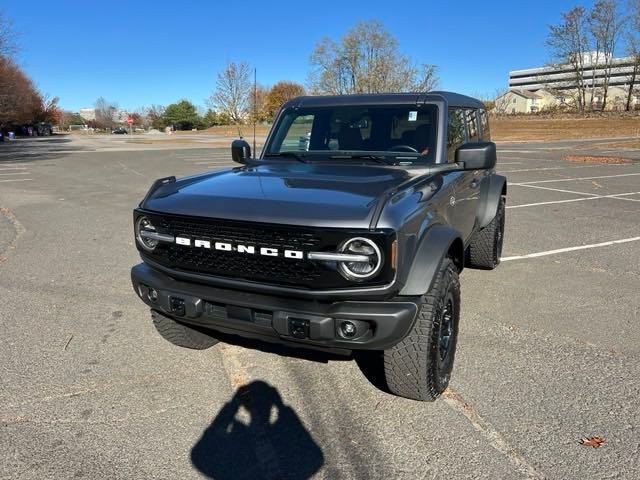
[{"x": 390, "y": 320}]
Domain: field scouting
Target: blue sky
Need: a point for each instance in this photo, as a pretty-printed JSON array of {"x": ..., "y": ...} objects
[{"x": 144, "y": 52}]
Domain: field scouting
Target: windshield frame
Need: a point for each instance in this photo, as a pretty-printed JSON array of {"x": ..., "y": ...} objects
[{"x": 396, "y": 157}]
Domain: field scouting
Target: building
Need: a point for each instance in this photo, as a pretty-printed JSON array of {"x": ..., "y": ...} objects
[
  {"x": 518, "y": 101},
  {"x": 556, "y": 87},
  {"x": 563, "y": 77},
  {"x": 88, "y": 113}
]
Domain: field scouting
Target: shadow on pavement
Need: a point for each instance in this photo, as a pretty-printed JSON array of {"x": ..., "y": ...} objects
[
  {"x": 25, "y": 150},
  {"x": 254, "y": 436}
]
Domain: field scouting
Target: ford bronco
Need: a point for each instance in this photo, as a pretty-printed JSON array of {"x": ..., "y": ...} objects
[{"x": 347, "y": 234}]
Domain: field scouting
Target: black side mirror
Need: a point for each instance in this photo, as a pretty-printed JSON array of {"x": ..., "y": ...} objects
[
  {"x": 477, "y": 156},
  {"x": 240, "y": 151}
]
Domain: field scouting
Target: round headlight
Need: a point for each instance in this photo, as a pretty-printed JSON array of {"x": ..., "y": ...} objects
[
  {"x": 359, "y": 271},
  {"x": 143, "y": 224}
]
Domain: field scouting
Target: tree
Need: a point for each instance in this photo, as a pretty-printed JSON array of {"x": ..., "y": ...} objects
[
  {"x": 105, "y": 113},
  {"x": 8, "y": 46},
  {"x": 70, "y": 118},
  {"x": 605, "y": 27},
  {"x": 633, "y": 49},
  {"x": 257, "y": 102},
  {"x": 48, "y": 110},
  {"x": 569, "y": 42},
  {"x": 367, "y": 60},
  {"x": 280, "y": 93},
  {"x": 232, "y": 95},
  {"x": 19, "y": 100},
  {"x": 182, "y": 115}
]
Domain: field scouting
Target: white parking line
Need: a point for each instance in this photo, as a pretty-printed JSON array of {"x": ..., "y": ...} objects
[
  {"x": 576, "y": 178},
  {"x": 16, "y": 180},
  {"x": 3, "y": 169},
  {"x": 14, "y": 173},
  {"x": 615, "y": 195},
  {"x": 553, "y": 189},
  {"x": 569, "y": 249},
  {"x": 509, "y": 163},
  {"x": 556, "y": 168}
]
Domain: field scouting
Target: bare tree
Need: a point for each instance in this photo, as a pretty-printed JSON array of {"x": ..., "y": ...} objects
[
  {"x": 605, "y": 26},
  {"x": 8, "y": 45},
  {"x": 367, "y": 60},
  {"x": 105, "y": 113},
  {"x": 233, "y": 92},
  {"x": 569, "y": 42}
]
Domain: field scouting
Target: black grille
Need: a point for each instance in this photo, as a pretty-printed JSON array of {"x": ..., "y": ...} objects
[{"x": 264, "y": 269}]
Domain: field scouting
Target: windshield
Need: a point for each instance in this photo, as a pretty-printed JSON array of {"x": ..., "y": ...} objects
[{"x": 357, "y": 131}]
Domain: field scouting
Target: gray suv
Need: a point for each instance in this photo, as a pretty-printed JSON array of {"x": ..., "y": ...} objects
[{"x": 346, "y": 235}]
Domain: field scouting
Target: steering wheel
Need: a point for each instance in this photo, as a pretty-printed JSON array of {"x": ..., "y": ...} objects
[{"x": 402, "y": 148}]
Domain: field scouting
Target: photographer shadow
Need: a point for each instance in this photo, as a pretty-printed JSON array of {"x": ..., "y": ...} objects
[{"x": 255, "y": 435}]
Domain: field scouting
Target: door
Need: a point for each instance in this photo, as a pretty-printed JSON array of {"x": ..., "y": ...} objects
[{"x": 466, "y": 192}]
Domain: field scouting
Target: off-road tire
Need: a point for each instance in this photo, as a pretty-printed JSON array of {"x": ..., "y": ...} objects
[
  {"x": 413, "y": 368},
  {"x": 485, "y": 247},
  {"x": 180, "y": 334}
]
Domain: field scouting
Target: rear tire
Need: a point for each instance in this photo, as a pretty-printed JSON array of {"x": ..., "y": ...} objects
[
  {"x": 485, "y": 247},
  {"x": 180, "y": 334},
  {"x": 419, "y": 366}
]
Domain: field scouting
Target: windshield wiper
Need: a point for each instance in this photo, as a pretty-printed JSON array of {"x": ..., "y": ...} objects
[
  {"x": 365, "y": 156},
  {"x": 294, "y": 155}
]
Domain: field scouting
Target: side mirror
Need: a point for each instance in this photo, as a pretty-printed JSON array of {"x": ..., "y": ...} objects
[
  {"x": 477, "y": 156},
  {"x": 240, "y": 151}
]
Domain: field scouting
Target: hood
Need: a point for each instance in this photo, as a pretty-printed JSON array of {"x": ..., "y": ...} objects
[{"x": 335, "y": 195}]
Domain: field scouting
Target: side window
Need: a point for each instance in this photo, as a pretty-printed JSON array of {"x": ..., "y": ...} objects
[
  {"x": 484, "y": 123},
  {"x": 472, "y": 125},
  {"x": 455, "y": 133},
  {"x": 299, "y": 134}
]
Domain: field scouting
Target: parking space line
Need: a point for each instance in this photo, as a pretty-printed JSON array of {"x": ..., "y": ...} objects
[
  {"x": 576, "y": 178},
  {"x": 569, "y": 249},
  {"x": 14, "y": 173},
  {"x": 541, "y": 169},
  {"x": 16, "y": 180},
  {"x": 553, "y": 189},
  {"x": 615, "y": 195},
  {"x": 459, "y": 404},
  {"x": 3, "y": 169}
]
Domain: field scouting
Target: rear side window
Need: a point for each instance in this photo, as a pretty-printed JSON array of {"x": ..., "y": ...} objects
[
  {"x": 456, "y": 135},
  {"x": 472, "y": 125},
  {"x": 484, "y": 124}
]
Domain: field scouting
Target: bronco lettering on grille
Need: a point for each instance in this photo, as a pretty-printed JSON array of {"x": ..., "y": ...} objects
[{"x": 229, "y": 247}]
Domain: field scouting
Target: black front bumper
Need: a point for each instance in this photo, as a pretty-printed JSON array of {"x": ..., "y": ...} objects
[{"x": 378, "y": 324}]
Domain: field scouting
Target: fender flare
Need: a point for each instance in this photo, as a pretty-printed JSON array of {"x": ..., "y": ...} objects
[
  {"x": 436, "y": 244},
  {"x": 492, "y": 189}
]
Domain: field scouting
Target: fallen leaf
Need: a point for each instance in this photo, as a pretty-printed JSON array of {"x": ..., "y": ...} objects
[{"x": 594, "y": 442}]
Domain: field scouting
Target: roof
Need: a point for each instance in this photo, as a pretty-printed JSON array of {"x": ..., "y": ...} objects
[
  {"x": 522, "y": 93},
  {"x": 452, "y": 99}
]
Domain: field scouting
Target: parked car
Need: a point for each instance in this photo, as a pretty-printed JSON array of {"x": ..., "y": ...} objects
[
  {"x": 120, "y": 131},
  {"x": 347, "y": 235}
]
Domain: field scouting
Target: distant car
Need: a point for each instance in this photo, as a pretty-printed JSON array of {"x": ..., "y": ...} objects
[{"x": 120, "y": 131}]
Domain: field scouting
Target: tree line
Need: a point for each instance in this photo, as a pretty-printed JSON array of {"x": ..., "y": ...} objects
[
  {"x": 21, "y": 103},
  {"x": 587, "y": 39},
  {"x": 367, "y": 59}
]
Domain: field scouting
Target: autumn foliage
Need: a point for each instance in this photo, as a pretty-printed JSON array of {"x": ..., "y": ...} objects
[{"x": 20, "y": 101}]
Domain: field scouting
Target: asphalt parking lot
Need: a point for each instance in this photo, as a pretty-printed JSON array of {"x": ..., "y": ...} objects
[{"x": 549, "y": 351}]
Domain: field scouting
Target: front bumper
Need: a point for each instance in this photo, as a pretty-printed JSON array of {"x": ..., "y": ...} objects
[{"x": 378, "y": 324}]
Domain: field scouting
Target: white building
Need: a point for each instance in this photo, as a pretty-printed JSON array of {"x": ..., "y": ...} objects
[
  {"x": 564, "y": 77},
  {"x": 88, "y": 113}
]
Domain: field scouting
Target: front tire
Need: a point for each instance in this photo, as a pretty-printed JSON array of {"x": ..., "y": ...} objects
[
  {"x": 180, "y": 334},
  {"x": 485, "y": 247},
  {"x": 419, "y": 367}
]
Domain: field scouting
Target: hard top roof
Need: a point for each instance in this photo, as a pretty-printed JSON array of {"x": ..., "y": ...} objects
[{"x": 452, "y": 99}]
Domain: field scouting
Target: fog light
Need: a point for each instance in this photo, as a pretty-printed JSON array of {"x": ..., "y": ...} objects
[
  {"x": 348, "y": 329},
  {"x": 152, "y": 295}
]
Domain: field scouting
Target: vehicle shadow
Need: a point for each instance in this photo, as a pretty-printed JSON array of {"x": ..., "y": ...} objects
[{"x": 256, "y": 435}]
